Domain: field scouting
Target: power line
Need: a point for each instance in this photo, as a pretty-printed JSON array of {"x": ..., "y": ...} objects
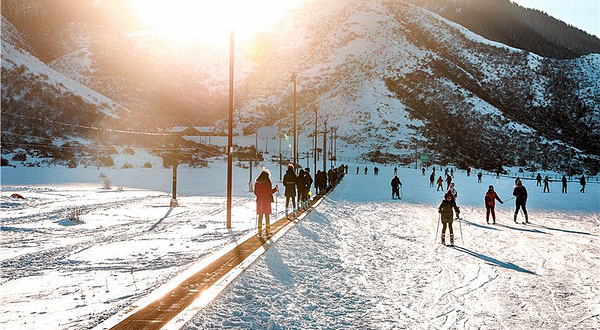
[{"x": 87, "y": 127}]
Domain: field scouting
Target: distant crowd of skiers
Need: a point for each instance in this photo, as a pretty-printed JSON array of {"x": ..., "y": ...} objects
[{"x": 297, "y": 191}]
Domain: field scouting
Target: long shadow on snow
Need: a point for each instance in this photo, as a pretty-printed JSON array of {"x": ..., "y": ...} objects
[
  {"x": 494, "y": 262},
  {"x": 565, "y": 230},
  {"x": 478, "y": 225},
  {"x": 535, "y": 231},
  {"x": 161, "y": 219}
]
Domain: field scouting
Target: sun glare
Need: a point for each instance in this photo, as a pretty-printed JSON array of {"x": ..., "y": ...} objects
[{"x": 211, "y": 21}]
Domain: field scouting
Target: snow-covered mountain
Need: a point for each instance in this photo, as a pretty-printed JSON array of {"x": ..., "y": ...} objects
[{"x": 394, "y": 77}]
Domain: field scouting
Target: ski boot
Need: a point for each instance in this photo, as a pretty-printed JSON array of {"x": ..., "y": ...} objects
[
  {"x": 526, "y": 219},
  {"x": 287, "y": 213},
  {"x": 443, "y": 239},
  {"x": 515, "y": 218},
  {"x": 451, "y": 240}
]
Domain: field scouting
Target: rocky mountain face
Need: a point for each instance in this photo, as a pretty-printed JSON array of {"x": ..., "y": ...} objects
[{"x": 393, "y": 76}]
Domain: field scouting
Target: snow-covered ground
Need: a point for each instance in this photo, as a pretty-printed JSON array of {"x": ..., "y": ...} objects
[
  {"x": 363, "y": 261},
  {"x": 359, "y": 261}
]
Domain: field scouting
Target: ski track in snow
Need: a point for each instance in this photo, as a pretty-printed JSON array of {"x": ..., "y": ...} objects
[{"x": 362, "y": 262}]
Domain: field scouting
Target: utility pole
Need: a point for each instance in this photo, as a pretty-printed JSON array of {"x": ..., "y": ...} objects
[
  {"x": 230, "y": 127},
  {"x": 331, "y": 147},
  {"x": 279, "y": 132},
  {"x": 316, "y": 138},
  {"x": 295, "y": 151},
  {"x": 174, "y": 202},
  {"x": 335, "y": 148},
  {"x": 325, "y": 147}
]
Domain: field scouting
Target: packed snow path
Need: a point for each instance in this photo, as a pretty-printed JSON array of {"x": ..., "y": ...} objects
[{"x": 363, "y": 261}]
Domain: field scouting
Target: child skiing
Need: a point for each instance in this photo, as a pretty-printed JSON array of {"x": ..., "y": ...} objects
[
  {"x": 440, "y": 183},
  {"x": 447, "y": 216},
  {"x": 521, "y": 199},
  {"x": 453, "y": 191},
  {"x": 264, "y": 194},
  {"x": 490, "y": 204}
]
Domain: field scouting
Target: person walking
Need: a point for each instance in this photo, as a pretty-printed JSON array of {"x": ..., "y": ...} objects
[
  {"x": 289, "y": 182},
  {"x": 447, "y": 216},
  {"x": 546, "y": 186},
  {"x": 538, "y": 178},
  {"x": 520, "y": 193},
  {"x": 440, "y": 183},
  {"x": 366, "y": 170},
  {"x": 479, "y": 175},
  {"x": 582, "y": 183},
  {"x": 395, "y": 171},
  {"x": 452, "y": 172},
  {"x": 564, "y": 184},
  {"x": 357, "y": 169},
  {"x": 307, "y": 180},
  {"x": 264, "y": 195},
  {"x": 431, "y": 179},
  {"x": 490, "y": 204},
  {"x": 396, "y": 187},
  {"x": 423, "y": 170},
  {"x": 448, "y": 181}
]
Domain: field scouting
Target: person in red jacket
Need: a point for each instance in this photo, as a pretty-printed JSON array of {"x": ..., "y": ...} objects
[
  {"x": 490, "y": 204},
  {"x": 264, "y": 194}
]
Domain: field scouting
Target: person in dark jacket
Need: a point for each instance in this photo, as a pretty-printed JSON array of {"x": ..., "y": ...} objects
[
  {"x": 357, "y": 169},
  {"x": 432, "y": 179},
  {"x": 289, "y": 181},
  {"x": 264, "y": 193},
  {"x": 447, "y": 216},
  {"x": 538, "y": 178},
  {"x": 307, "y": 181},
  {"x": 396, "y": 187},
  {"x": 564, "y": 184},
  {"x": 490, "y": 204},
  {"x": 582, "y": 183},
  {"x": 546, "y": 186},
  {"x": 366, "y": 170},
  {"x": 423, "y": 170},
  {"x": 520, "y": 194},
  {"x": 301, "y": 187},
  {"x": 448, "y": 181},
  {"x": 479, "y": 175}
]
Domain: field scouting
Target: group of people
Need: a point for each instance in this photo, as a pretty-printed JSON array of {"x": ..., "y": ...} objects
[
  {"x": 547, "y": 180},
  {"x": 297, "y": 190}
]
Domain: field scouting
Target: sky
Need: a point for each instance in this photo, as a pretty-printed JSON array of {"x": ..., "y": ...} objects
[{"x": 583, "y": 14}]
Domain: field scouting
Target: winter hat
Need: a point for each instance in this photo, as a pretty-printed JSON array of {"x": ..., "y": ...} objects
[{"x": 491, "y": 187}]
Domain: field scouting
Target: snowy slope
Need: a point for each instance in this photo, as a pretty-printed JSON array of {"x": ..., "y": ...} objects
[{"x": 16, "y": 58}]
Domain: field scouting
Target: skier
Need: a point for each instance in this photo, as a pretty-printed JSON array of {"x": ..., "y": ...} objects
[
  {"x": 447, "y": 216},
  {"x": 395, "y": 171},
  {"x": 440, "y": 183},
  {"x": 479, "y": 175},
  {"x": 520, "y": 192},
  {"x": 564, "y": 184},
  {"x": 356, "y": 170},
  {"x": 453, "y": 191},
  {"x": 446, "y": 171},
  {"x": 490, "y": 204},
  {"x": 448, "y": 181},
  {"x": 582, "y": 183},
  {"x": 452, "y": 172},
  {"x": 546, "y": 186},
  {"x": 423, "y": 170},
  {"x": 396, "y": 187},
  {"x": 366, "y": 170},
  {"x": 376, "y": 170},
  {"x": 539, "y": 180},
  {"x": 264, "y": 194},
  {"x": 289, "y": 182},
  {"x": 432, "y": 179}
]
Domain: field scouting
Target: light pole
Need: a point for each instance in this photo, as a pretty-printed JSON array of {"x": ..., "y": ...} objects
[
  {"x": 230, "y": 127},
  {"x": 325, "y": 147},
  {"x": 295, "y": 151},
  {"x": 316, "y": 141}
]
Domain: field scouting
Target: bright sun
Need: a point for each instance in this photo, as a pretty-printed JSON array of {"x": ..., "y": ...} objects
[{"x": 202, "y": 20}]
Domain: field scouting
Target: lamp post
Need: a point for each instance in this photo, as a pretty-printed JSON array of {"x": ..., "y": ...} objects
[
  {"x": 230, "y": 127},
  {"x": 315, "y": 144},
  {"x": 295, "y": 151}
]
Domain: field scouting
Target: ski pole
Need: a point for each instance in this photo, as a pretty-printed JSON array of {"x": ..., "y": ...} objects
[
  {"x": 438, "y": 228},
  {"x": 400, "y": 191},
  {"x": 461, "y": 233}
]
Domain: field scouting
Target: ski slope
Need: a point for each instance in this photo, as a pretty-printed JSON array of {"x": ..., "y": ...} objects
[{"x": 363, "y": 261}]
